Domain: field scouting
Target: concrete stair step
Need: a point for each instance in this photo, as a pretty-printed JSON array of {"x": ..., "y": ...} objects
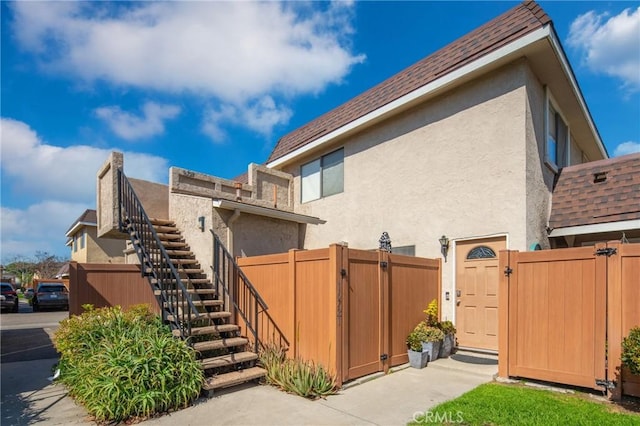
[
  {"x": 184, "y": 261},
  {"x": 211, "y": 345},
  {"x": 227, "y": 360},
  {"x": 203, "y": 315},
  {"x": 185, "y": 253},
  {"x": 233, "y": 378},
  {"x": 213, "y": 329},
  {"x": 175, "y": 244},
  {"x": 202, "y": 303},
  {"x": 200, "y": 291},
  {"x": 169, "y": 237},
  {"x": 166, "y": 229},
  {"x": 161, "y": 222}
]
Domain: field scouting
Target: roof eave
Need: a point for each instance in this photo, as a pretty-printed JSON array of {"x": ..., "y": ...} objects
[
  {"x": 266, "y": 212},
  {"x": 77, "y": 226},
  {"x": 596, "y": 228},
  {"x": 545, "y": 32}
]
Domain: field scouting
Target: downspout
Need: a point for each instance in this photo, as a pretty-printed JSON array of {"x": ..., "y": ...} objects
[{"x": 232, "y": 219}]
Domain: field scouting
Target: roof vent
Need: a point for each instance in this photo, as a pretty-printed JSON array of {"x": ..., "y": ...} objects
[{"x": 599, "y": 177}]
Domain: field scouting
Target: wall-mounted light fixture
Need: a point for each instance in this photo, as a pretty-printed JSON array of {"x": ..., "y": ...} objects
[
  {"x": 201, "y": 223},
  {"x": 444, "y": 246}
]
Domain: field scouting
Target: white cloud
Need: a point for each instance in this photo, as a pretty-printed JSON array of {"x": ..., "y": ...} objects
[
  {"x": 131, "y": 127},
  {"x": 260, "y": 116},
  {"x": 64, "y": 181},
  {"x": 610, "y": 45},
  {"x": 39, "y": 227},
  {"x": 58, "y": 173},
  {"x": 626, "y": 148},
  {"x": 232, "y": 50}
]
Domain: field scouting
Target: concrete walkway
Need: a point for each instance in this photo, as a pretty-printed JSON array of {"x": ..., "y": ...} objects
[{"x": 29, "y": 398}]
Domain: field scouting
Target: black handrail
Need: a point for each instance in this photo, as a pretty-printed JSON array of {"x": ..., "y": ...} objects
[
  {"x": 154, "y": 260},
  {"x": 245, "y": 299}
]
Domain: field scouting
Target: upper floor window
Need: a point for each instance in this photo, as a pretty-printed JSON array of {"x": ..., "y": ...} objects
[
  {"x": 323, "y": 177},
  {"x": 557, "y": 138},
  {"x": 75, "y": 243},
  {"x": 82, "y": 238}
]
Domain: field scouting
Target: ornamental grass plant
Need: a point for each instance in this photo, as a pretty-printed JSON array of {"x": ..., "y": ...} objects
[
  {"x": 297, "y": 376},
  {"x": 121, "y": 365}
]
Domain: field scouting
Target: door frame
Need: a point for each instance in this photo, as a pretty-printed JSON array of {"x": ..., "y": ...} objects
[{"x": 454, "y": 265}]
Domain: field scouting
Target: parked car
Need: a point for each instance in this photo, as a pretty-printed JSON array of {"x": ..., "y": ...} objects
[
  {"x": 50, "y": 295},
  {"x": 10, "y": 299}
]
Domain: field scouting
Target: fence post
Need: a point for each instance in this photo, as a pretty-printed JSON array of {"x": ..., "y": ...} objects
[
  {"x": 614, "y": 322},
  {"x": 293, "y": 344},
  {"x": 503, "y": 312},
  {"x": 386, "y": 310}
]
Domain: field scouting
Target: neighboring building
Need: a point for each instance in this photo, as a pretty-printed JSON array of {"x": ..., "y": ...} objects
[
  {"x": 466, "y": 144},
  {"x": 85, "y": 245},
  {"x": 597, "y": 202}
]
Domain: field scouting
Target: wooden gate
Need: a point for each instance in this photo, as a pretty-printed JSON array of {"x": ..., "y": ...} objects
[
  {"x": 349, "y": 310},
  {"x": 561, "y": 309},
  {"x": 384, "y": 295}
]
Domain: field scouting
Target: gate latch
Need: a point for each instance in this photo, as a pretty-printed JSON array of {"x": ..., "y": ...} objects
[
  {"x": 383, "y": 265},
  {"x": 607, "y": 384},
  {"x": 384, "y": 357},
  {"x": 507, "y": 271},
  {"x": 609, "y": 251}
]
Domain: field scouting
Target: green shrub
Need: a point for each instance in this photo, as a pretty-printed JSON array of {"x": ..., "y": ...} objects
[
  {"x": 428, "y": 333},
  {"x": 631, "y": 350},
  {"x": 414, "y": 341},
  {"x": 125, "y": 364},
  {"x": 447, "y": 327},
  {"x": 304, "y": 378}
]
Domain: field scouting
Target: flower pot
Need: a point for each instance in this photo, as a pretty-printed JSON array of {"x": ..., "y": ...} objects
[
  {"x": 447, "y": 345},
  {"x": 433, "y": 348},
  {"x": 418, "y": 359}
]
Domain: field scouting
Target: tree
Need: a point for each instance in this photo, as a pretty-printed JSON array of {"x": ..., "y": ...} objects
[
  {"x": 47, "y": 265},
  {"x": 23, "y": 269}
]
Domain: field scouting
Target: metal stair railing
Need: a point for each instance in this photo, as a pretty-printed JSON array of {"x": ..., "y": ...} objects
[
  {"x": 154, "y": 260},
  {"x": 244, "y": 298}
]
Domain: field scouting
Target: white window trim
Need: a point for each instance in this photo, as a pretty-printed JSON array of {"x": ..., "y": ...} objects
[{"x": 548, "y": 98}]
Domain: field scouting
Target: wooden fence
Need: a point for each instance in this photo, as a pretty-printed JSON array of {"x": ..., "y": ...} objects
[
  {"x": 108, "y": 285},
  {"x": 349, "y": 310},
  {"x": 563, "y": 315}
]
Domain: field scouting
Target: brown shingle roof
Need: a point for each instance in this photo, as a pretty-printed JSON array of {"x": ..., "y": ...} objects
[
  {"x": 502, "y": 30},
  {"x": 579, "y": 200},
  {"x": 89, "y": 216}
]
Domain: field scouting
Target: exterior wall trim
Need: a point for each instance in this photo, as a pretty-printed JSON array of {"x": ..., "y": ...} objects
[
  {"x": 267, "y": 212},
  {"x": 596, "y": 228},
  {"x": 77, "y": 226}
]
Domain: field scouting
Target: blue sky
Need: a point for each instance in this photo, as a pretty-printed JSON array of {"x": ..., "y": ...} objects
[{"x": 211, "y": 86}]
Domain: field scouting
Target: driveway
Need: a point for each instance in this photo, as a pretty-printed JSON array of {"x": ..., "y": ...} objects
[{"x": 27, "y": 358}]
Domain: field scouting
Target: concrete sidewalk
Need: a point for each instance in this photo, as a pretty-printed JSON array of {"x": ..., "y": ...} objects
[{"x": 28, "y": 398}]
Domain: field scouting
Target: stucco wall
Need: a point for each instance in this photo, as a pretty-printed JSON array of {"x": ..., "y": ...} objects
[
  {"x": 539, "y": 176},
  {"x": 103, "y": 250},
  {"x": 185, "y": 210},
  {"x": 455, "y": 165},
  {"x": 255, "y": 235}
]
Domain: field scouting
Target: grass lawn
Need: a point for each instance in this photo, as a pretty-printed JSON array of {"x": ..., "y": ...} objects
[{"x": 500, "y": 404}]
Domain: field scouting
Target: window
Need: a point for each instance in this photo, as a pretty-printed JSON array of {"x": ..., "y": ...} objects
[
  {"x": 404, "y": 250},
  {"x": 323, "y": 177},
  {"x": 481, "y": 252},
  {"x": 557, "y": 138},
  {"x": 82, "y": 237},
  {"x": 75, "y": 243}
]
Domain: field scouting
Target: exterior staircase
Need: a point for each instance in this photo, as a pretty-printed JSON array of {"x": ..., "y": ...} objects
[{"x": 198, "y": 310}]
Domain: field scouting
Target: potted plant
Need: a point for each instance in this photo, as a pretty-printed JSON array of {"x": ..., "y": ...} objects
[
  {"x": 417, "y": 357},
  {"x": 430, "y": 337},
  {"x": 449, "y": 341}
]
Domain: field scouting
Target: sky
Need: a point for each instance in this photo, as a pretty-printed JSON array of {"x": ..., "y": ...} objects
[{"x": 211, "y": 86}]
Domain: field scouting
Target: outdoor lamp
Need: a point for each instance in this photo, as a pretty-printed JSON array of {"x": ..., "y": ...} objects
[{"x": 444, "y": 246}]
